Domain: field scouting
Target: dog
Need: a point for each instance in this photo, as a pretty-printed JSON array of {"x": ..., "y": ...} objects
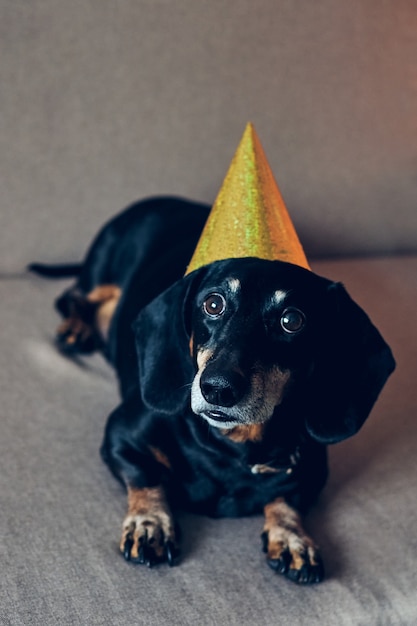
[{"x": 233, "y": 380}]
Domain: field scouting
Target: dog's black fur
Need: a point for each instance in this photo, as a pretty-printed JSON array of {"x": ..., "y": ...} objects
[{"x": 233, "y": 380}]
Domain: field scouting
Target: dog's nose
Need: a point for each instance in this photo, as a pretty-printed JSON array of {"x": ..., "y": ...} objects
[{"x": 223, "y": 389}]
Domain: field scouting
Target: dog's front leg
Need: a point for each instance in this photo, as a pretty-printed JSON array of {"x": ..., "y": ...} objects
[
  {"x": 148, "y": 535},
  {"x": 290, "y": 551}
]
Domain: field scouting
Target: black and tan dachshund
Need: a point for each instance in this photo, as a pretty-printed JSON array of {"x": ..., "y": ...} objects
[{"x": 233, "y": 380}]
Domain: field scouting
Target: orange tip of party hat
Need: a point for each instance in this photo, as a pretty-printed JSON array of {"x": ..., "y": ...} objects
[{"x": 249, "y": 217}]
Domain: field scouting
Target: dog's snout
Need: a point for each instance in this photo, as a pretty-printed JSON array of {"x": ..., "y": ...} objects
[{"x": 223, "y": 389}]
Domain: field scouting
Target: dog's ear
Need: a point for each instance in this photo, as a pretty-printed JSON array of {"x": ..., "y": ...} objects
[
  {"x": 352, "y": 368},
  {"x": 162, "y": 332}
]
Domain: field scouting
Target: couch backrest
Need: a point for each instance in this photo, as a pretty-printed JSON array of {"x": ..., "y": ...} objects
[{"x": 103, "y": 102}]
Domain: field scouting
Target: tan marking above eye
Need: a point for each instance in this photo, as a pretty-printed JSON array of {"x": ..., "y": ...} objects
[
  {"x": 234, "y": 285},
  {"x": 279, "y": 296}
]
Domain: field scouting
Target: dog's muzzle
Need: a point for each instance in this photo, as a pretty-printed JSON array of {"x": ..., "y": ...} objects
[
  {"x": 214, "y": 396},
  {"x": 225, "y": 398},
  {"x": 223, "y": 389}
]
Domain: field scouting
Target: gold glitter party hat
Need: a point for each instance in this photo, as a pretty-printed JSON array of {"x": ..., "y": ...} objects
[{"x": 249, "y": 217}]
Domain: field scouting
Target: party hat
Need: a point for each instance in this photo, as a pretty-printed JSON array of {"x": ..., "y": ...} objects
[{"x": 249, "y": 217}]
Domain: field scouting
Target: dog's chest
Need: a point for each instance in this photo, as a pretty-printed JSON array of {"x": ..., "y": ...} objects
[{"x": 232, "y": 480}]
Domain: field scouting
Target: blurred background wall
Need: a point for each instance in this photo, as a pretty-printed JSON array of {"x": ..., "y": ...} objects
[{"x": 106, "y": 101}]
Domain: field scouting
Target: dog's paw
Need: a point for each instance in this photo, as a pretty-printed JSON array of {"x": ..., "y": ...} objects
[
  {"x": 294, "y": 556},
  {"x": 75, "y": 335},
  {"x": 149, "y": 539}
]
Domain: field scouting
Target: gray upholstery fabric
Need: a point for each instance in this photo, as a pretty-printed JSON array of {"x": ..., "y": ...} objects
[
  {"x": 61, "y": 510},
  {"x": 102, "y": 102}
]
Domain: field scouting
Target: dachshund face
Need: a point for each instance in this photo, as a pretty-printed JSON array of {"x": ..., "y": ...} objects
[
  {"x": 261, "y": 333},
  {"x": 254, "y": 338}
]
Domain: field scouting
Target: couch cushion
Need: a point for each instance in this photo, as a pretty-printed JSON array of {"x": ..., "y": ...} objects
[{"x": 61, "y": 510}]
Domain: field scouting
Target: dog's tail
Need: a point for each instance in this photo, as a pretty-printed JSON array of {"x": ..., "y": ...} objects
[{"x": 55, "y": 271}]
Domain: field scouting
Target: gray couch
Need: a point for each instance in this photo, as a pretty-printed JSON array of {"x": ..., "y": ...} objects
[{"x": 104, "y": 102}]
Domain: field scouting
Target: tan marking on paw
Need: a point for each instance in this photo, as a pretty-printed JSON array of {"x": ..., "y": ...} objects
[
  {"x": 107, "y": 298},
  {"x": 286, "y": 533},
  {"x": 148, "y": 520},
  {"x": 75, "y": 329}
]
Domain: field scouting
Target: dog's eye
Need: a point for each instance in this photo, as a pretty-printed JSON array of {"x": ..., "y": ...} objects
[
  {"x": 214, "y": 305},
  {"x": 292, "y": 320}
]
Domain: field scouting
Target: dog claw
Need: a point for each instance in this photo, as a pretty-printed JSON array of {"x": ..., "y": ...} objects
[
  {"x": 141, "y": 555},
  {"x": 172, "y": 554},
  {"x": 307, "y": 575},
  {"x": 145, "y": 554},
  {"x": 281, "y": 565},
  {"x": 127, "y": 549},
  {"x": 310, "y": 571},
  {"x": 149, "y": 550}
]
